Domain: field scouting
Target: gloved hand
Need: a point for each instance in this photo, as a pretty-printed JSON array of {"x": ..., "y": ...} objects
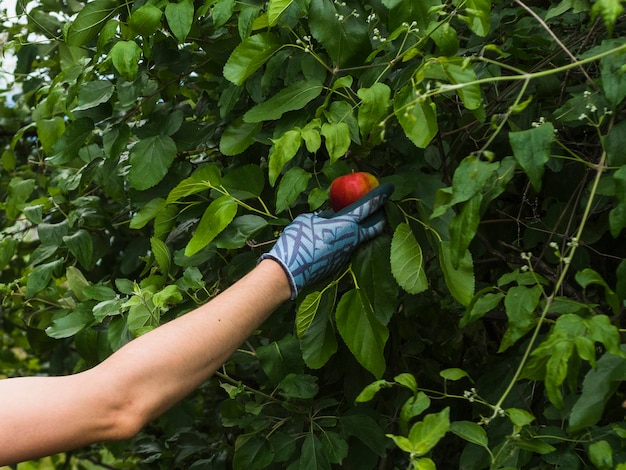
[{"x": 315, "y": 245}]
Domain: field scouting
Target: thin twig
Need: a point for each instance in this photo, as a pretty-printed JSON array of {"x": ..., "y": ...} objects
[{"x": 557, "y": 40}]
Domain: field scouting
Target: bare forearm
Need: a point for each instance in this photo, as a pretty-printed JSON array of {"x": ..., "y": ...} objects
[{"x": 45, "y": 415}]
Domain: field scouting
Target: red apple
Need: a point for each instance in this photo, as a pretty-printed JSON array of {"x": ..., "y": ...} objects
[{"x": 349, "y": 188}]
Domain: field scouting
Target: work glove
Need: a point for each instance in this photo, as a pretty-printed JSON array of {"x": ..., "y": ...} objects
[{"x": 315, "y": 245}]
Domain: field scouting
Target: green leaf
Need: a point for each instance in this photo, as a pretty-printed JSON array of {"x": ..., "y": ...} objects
[
  {"x": 72, "y": 140},
  {"x": 147, "y": 213},
  {"x": 407, "y": 264},
  {"x": 556, "y": 371},
  {"x": 477, "y": 15},
  {"x": 413, "y": 406},
  {"x": 161, "y": 254},
  {"x": 125, "y": 56},
  {"x": 40, "y": 276},
  {"x": 453, "y": 373},
  {"x": 216, "y": 218},
  {"x": 282, "y": 151},
  {"x": 463, "y": 228},
  {"x": 150, "y": 159},
  {"x": 365, "y": 429},
  {"x": 180, "y": 18},
  {"x": 406, "y": 380},
  {"x": 471, "y": 432},
  {"x": 460, "y": 73},
  {"x": 612, "y": 72},
  {"x": 222, "y": 11},
  {"x": 275, "y": 9},
  {"x": 617, "y": 216},
  {"x": 202, "y": 179},
  {"x": 362, "y": 332},
  {"x": 298, "y": 386},
  {"x": 532, "y": 150},
  {"x": 238, "y": 136},
  {"x": 416, "y": 116},
  {"x": 601, "y": 455},
  {"x": 588, "y": 276},
  {"x": 370, "y": 391},
  {"x": 520, "y": 304},
  {"x": 346, "y": 40},
  {"x": 295, "y": 96},
  {"x": 313, "y": 456},
  {"x": 107, "y": 308},
  {"x": 145, "y": 20},
  {"x": 373, "y": 110},
  {"x": 598, "y": 387},
  {"x": 66, "y": 324},
  {"x": 519, "y": 417},
  {"x": 240, "y": 231},
  {"x": 377, "y": 286},
  {"x": 80, "y": 245},
  {"x": 534, "y": 445},
  {"x": 94, "y": 93},
  {"x": 252, "y": 452},
  {"x": 244, "y": 182},
  {"x": 610, "y": 10},
  {"x": 169, "y": 295},
  {"x": 481, "y": 306},
  {"x": 425, "y": 435},
  {"x": 89, "y": 21},
  {"x": 337, "y": 139},
  {"x": 291, "y": 186},
  {"x": 460, "y": 281},
  {"x": 249, "y": 56},
  {"x": 49, "y": 131}
]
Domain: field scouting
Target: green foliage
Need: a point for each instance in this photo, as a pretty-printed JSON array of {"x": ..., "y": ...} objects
[{"x": 153, "y": 150}]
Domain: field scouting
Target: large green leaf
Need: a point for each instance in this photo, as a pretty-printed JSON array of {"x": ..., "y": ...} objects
[
  {"x": 203, "y": 179},
  {"x": 461, "y": 73},
  {"x": 66, "y": 324},
  {"x": 460, "y": 281},
  {"x": 216, "y": 218},
  {"x": 125, "y": 56},
  {"x": 291, "y": 186},
  {"x": 426, "y": 434},
  {"x": 374, "y": 278},
  {"x": 416, "y": 116},
  {"x": 374, "y": 109},
  {"x": 146, "y": 19},
  {"x": 477, "y": 14},
  {"x": 275, "y": 9},
  {"x": 94, "y": 93},
  {"x": 597, "y": 388},
  {"x": 463, "y": 228},
  {"x": 238, "y": 136},
  {"x": 337, "y": 139},
  {"x": 532, "y": 149},
  {"x": 249, "y": 56},
  {"x": 245, "y": 182},
  {"x": 49, "y": 131},
  {"x": 362, "y": 331},
  {"x": 294, "y": 97},
  {"x": 179, "y": 17},
  {"x": 150, "y": 159},
  {"x": 89, "y": 21},
  {"x": 80, "y": 245},
  {"x": 283, "y": 150},
  {"x": 315, "y": 328},
  {"x": 407, "y": 264},
  {"x": 520, "y": 304}
]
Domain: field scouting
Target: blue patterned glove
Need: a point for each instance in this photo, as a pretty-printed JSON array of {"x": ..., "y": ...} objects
[{"x": 315, "y": 245}]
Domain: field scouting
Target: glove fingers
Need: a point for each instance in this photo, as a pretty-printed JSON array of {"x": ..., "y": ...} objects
[
  {"x": 372, "y": 226},
  {"x": 368, "y": 204}
]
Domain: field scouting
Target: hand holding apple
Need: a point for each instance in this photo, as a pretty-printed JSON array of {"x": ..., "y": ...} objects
[{"x": 349, "y": 188}]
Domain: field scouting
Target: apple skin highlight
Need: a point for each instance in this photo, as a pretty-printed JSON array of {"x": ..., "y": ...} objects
[{"x": 349, "y": 188}]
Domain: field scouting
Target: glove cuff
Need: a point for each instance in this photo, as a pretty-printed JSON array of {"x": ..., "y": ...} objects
[{"x": 290, "y": 278}]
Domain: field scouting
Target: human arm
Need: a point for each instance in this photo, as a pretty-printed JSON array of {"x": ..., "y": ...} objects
[{"x": 114, "y": 400}]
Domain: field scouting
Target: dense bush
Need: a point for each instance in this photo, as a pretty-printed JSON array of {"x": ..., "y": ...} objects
[{"x": 155, "y": 149}]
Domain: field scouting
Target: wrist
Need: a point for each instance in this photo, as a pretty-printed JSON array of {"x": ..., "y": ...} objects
[{"x": 274, "y": 275}]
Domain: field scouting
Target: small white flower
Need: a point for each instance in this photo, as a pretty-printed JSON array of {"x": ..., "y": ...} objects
[{"x": 582, "y": 117}]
